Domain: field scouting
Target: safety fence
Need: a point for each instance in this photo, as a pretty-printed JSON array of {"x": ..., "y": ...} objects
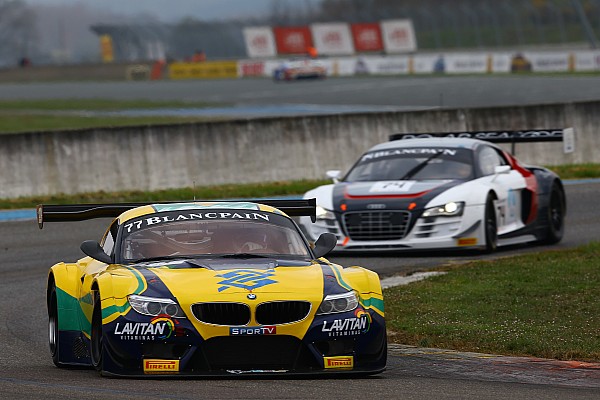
[{"x": 430, "y": 63}]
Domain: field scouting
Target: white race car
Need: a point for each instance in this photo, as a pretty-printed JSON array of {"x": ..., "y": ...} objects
[
  {"x": 303, "y": 68},
  {"x": 430, "y": 192}
]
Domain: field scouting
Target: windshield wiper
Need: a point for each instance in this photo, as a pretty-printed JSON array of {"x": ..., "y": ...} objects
[
  {"x": 244, "y": 255},
  {"x": 161, "y": 258},
  {"x": 417, "y": 168}
]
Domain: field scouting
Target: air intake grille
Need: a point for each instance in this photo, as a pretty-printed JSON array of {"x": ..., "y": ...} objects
[
  {"x": 281, "y": 312},
  {"x": 222, "y": 313},
  {"x": 252, "y": 352},
  {"x": 377, "y": 225}
]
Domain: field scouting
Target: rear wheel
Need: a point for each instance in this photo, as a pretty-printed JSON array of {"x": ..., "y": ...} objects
[
  {"x": 556, "y": 216},
  {"x": 97, "y": 341},
  {"x": 491, "y": 226}
]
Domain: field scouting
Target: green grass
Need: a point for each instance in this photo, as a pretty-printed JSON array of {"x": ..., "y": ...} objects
[
  {"x": 577, "y": 171},
  {"x": 254, "y": 190},
  {"x": 47, "y": 115},
  {"x": 258, "y": 190},
  {"x": 543, "y": 305},
  {"x": 95, "y": 105}
]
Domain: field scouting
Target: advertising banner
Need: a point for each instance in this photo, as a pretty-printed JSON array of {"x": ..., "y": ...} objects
[
  {"x": 343, "y": 66},
  {"x": 251, "y": 68},
  {"x": 586, "y": 61},
  {"x": 379, "y": 65},
  {"x": 332, "y": 39},
  {"x": 398, "y": 36},
  {"x": 367, "y": 37},
  {"x": 293, "y": 40},
  {"x": 476, "y": 63},
  {"x": 106, "y": 49},
  {"x": 260, "y": 42},
  {"x": 501, "y": 62},
  {"x": 427, "y": 63},
  {"x": 204, "y": 70},
  {"x": 548, "y": 62}
]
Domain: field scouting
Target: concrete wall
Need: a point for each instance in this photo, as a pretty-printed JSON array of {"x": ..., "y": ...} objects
[
  {"x": 258, "y": 150},
  {"x": 76, "y": 72}
]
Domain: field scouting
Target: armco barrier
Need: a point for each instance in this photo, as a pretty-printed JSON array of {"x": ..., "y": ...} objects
[{"x": 258, "y": 150}]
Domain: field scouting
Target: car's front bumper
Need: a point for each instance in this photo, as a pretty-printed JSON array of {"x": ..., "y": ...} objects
[
  {"x": 440, "y": 233},
  {"x": 133, "y": 349}
]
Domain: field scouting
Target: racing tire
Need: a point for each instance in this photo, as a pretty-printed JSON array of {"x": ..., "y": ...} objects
[
  {"x": 556, "y": 216},
  {"x": 97, "y": 341},
  {"x": 53, "y": 332},
  {"x": 490, "y": 226}
]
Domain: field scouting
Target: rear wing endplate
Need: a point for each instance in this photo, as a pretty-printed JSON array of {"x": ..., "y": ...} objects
[
  {"x": 82, "y": 212},
  {"x": 566, "y": 135}
]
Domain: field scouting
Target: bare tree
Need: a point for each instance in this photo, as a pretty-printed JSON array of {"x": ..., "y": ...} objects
[{"x": 17, "y": 31}]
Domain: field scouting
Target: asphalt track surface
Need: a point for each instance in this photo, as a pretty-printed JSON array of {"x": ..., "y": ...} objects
[
  {"x": 401, "y": 92},
  {"x": 26, "y": 369}
]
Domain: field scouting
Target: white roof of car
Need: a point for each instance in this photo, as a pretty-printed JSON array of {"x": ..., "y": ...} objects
[{"x": 430, "y": 142}]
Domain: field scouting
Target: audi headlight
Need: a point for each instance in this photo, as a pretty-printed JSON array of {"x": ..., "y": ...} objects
[
  {"x": 155, "y": 306},
  {"x": 338, "y": 303},
  {"x": 323, "y": 213},
  {"x": 451, "y": 209}
]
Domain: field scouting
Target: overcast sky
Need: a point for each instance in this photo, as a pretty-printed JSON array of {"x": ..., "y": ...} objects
[{"x": 172, "y": 10}]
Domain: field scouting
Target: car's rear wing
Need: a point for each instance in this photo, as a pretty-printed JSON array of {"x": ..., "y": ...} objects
[
  {"x": 81, "y": 212},
  {"x": 565, "y": 135}
]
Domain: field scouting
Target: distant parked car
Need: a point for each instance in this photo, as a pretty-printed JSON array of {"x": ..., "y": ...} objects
[
  {"x": 305, "y": 68},
  {"x": 428, "y": 192}
]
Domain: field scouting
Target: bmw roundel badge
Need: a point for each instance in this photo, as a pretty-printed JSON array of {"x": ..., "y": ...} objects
[{"x": 251, "y": 296}]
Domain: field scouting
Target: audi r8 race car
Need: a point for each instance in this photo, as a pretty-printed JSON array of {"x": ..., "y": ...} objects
[
  {"x": 427, "y": 191},
  {"x": 211, "y": 288},
  {"x": 306, "y": 68}
]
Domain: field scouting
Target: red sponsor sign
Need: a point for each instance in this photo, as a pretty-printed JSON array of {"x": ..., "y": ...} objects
[
  {"x": 367, "y": 37},
  {"x": 251, "y": 68},
  {"x": 295, "y": 40}
]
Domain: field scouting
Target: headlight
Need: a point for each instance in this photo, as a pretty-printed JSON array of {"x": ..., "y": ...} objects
[
  {"x": 451, "y": 209},
  {"x": 338, "y": 303},
  {"x": 323, "y": 213},
  {"x": 153, "y": 306}
]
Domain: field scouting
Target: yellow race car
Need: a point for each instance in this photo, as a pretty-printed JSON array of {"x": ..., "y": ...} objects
[{"x": 211, "y": 288}]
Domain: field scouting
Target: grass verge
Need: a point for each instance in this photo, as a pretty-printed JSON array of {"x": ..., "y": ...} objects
[
  {"x": 47, "y": 115},
  {"x": 253, "y": 190},
  {"x": 250, "y": 190},
  {"x": 544, "y": 305}
]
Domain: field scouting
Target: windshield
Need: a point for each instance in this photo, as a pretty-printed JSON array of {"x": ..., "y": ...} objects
[
  {"x": 413, "y": 163},
  {"x": 162, "y": 236}
]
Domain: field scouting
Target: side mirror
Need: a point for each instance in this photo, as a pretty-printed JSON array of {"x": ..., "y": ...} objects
[
  {"x": 502, "y": 169},
  {"x": 334, "y": 175},
  {"x": 93, "y": 249},
  {"x": 324, "y": 244}
]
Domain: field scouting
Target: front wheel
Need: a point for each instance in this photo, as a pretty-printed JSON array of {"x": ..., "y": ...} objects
[
  {"x": 490, "y": 226},
  {"x": 53, "y": 332},
  {"x": 97, "y": 342}
]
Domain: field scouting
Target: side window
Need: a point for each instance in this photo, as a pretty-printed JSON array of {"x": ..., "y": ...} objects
[
  {"x": 488, "y": 159},
  {"x": 108, "y": 241}
]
